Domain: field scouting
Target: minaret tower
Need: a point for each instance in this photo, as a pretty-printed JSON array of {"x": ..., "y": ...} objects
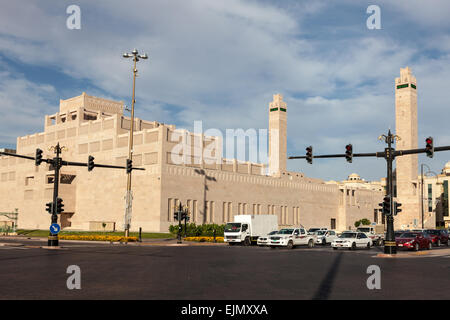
[
  {"x": 407, "y": 166},
  {"x": 277, "y": 135}
]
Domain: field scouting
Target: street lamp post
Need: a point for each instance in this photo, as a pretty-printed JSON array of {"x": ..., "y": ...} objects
[{"x": 128, "y": 198}]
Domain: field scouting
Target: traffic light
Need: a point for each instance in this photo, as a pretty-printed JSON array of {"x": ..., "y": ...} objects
[
  {"x": 49, "y": 206},
  {"x": 309, "y": 154},
  {"x": 397, "y": 206},
  {"x": 38, "y": 159},
  {"x": 175, "y": 216},
  {"x": 91, "y": 163},
  {"x": 59, "y": 205},
  {"x": 129, "y": 165},
  {"x": 429, "y": 147},
  {"x": 386, "y": 205},
  {"x": 349, "y": 153}
]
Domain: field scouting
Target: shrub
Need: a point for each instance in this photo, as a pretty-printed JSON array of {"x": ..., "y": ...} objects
[{"x": 202, "y": 230}]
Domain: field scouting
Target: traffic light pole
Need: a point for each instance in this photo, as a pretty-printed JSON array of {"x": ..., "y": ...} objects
[
  {"x": 57, "y": 163},
  {"x": 389, "y": 154},
  {"x": 390, "y": 246},
  {"x": 53, "y": 238}
]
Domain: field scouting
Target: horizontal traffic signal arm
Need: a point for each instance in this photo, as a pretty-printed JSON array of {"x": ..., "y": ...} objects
[
  {"x": 67, "y": 163},
  {"x": 377, "y": 154},
  {"x": 22, "y": 156}
]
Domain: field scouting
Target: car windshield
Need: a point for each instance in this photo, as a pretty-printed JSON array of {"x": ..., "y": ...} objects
[
  {"x": 348, "y": 235},
  {"x": 272, "y": 232},
  {"x": 232, "y": 227},
  {"x": 409, "y": 235},
  {"x": 398, "y": 234},
  {"x": 435, "y": 232},
  {"x": 320, "y": 233},
  {"x": 364, "y": 229},
  {"x": 313, "y": 230},
  {"x": 286, "y": 231}
]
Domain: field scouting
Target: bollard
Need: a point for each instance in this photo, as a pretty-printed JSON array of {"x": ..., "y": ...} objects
[{"x": 140, "y": 234}]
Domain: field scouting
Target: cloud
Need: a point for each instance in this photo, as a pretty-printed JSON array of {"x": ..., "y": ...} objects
[{"x": 222, "y": 61}]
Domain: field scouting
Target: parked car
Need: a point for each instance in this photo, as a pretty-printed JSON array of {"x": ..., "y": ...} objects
[
  {"x": 264, "y": 240},
  {"x": 352, "y": 240},
  {"x": 414, "y": 241},
  {"x": 313, "y": 230},
  {"x": 324, "y": 237},
  {"x": 438, "y": 237},
  {"x": 374, "y": 232},
  {"x": 290, "y": 238}
]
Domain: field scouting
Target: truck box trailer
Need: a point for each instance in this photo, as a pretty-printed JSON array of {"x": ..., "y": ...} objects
[{"x": 246, "y": 229}]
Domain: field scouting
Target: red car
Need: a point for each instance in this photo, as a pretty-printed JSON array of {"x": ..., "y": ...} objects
[
  {"x": 414, "y": 241},
  {"x": 438, "y": 237}
]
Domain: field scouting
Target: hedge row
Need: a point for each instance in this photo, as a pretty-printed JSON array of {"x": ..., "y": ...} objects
[{"x": 202, "y": 230}]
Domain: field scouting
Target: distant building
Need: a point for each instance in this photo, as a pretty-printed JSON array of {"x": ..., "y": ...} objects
[{"x": 213, "y": 188}]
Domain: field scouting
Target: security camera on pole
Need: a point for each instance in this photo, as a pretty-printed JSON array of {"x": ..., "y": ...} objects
[{"x": 129, "y": 196}]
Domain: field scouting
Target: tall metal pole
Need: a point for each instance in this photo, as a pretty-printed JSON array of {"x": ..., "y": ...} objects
[
  {"x": 129, "y": 194},
  {"x": 53, "y": 238},
  {"x": 389, "y": 243}
]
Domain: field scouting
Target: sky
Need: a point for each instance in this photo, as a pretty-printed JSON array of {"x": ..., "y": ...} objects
[{"x": 222, "y": 61}]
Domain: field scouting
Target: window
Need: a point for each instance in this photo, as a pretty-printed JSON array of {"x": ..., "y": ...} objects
[
  {"x": 50, "y": 179},
  {"x": 333, "y": 223},
  {"x": 29, "y": 181},
  {"x": 430, "y": 198}
]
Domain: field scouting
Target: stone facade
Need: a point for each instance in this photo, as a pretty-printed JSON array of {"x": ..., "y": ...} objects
[{"x": 214, "y": 190}]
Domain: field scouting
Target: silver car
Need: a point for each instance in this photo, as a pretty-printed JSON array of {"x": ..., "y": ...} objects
[{"x": 264, "y": 240}]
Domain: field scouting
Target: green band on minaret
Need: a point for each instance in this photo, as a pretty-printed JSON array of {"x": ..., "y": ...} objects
[{"x": 400, "y": 86}]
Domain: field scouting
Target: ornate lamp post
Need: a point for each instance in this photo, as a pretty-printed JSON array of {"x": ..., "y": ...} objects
[{"x": 129, "y": 197}]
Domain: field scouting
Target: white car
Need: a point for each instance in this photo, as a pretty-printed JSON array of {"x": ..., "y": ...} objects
[
  {"x": 325, "y": 236},
  {"x": 314, "y": 230},
  {"x": 291, "y": 237},
  {"x": 352, "y": 240},
  {"x": 264, "y": 240}
]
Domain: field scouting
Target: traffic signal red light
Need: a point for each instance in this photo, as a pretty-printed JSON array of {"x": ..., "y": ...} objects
[
  {"x": 349, "y": 153},
  {"x": 429, "y": 147}
]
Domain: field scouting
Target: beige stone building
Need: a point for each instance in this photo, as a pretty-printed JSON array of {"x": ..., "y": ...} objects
[{"x": 215, "y": 189}]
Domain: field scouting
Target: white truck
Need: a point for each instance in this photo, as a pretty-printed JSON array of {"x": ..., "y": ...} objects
[
  {"x": 246, "y": 228},
  {"x": 374, "y": 232},
  {"x": 291, "y": 237}
]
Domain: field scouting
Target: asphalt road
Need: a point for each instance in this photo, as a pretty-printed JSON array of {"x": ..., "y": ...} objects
[{"x": 217, "y": 272}]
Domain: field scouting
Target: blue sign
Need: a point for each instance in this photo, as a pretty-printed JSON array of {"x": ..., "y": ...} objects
[{"x": 55, "y": 228}]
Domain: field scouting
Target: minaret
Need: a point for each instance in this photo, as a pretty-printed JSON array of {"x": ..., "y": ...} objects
[
  {"x": 277, "y": 135},
  {"x": 407, "y": 166}
]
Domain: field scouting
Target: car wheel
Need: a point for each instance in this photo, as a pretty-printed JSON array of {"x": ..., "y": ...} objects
[
  {"x": 290, "y": 245},
  {"x": 368, "y": 245},
  {"x": 311, "y": 243},
  {"x": 446, "y": 243},
  {"x": 324, "y": 242},
  {"x": 381, "y": 242},
  {"x": 247, "y": 242},
  {"x": 416, "y": 247},
  {"x": 430, "y": 245},
  {"x": 353, "y": 247},
  {"x": 438, "y": 243}
]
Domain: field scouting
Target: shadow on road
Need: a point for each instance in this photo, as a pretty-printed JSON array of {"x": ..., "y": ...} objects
[{"x": 327, "y": 283}]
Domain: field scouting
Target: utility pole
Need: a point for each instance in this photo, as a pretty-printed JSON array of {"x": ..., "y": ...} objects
[{"x": 129, "y": 195}]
